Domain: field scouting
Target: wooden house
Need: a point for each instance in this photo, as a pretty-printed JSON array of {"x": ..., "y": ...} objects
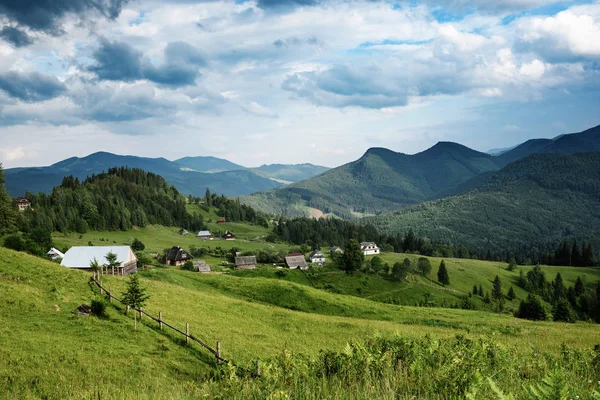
[
  {"x": 369, "y": 248},
  {"x": 177, "y": 256},
  {"x": 204, "y": 235},
  {"x": 316, "y": 257},
  {"x": 245, "y": 262},
  {"x": 80, "y": 257},
  {"x": 228, "y": 236},
  {"x": 336, "y": 249},
  {"x": 221, "y": 220},
  {"x": 294, "y": 262},
  {"x": 55, "y": 254}
]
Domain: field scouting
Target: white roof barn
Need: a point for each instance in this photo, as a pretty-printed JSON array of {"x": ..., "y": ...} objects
[
  {"x": 80, "y": 257},
  {"x": 55, "y": 254}
]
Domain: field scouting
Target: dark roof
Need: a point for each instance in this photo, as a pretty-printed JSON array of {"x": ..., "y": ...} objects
[
  {"x": 178, "y": 254},
  {"x": 228, "y": 235},
  {"x": 316, "y": 253},
  {"x": 295, "y": 262}
]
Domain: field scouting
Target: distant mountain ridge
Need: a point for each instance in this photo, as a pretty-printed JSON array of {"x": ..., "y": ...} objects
[{"x": 383, "y": 180}]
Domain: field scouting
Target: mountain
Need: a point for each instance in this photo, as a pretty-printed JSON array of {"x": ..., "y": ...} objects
[
  {"x": 208, "y": 164},
  {"x": 290, "y": 173},
  {"x": 532, "y": 203},
  {"x": 588, "y": 140},
  {"x": 383, "y": 180},
  {"x": 230, "y": 183}
]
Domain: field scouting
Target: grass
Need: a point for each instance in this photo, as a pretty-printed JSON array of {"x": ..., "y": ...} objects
[{"x": 47, "y": 352}]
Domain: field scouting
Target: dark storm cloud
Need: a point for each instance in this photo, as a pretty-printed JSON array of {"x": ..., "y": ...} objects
[
  {"x": 30, "y": 87},
  {"x": 15, "y": 36},
  {"x": 118, "y": 61},
  {"x": 47, "y": 15}
]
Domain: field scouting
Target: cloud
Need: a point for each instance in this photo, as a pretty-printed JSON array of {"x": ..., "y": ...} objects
[
  {"x": 259, "y": 110},
  {"x": 15, "y": 36},
  {"x": 47, "y": 15},
  {"x": 570, "y": 36},
  {"x": 116, "y": 61},
  {"x": 30, "y": 86}
]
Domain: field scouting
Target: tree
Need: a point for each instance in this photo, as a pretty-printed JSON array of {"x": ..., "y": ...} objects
[
  {"x": 512, "y": 264},
  {"x": 94, "y": 265},
  {"x": 353, "y": 256},
  {"x": 8, "y": 214},
  {"x": 511, "y": 294},
  {"x": 560, "y": 291},
  {"x": 376, "y": 264},
  {"x": 424, "y": 266},
  {"x": 497, "y": 289},
  {"x": 111, "y": 258},
  {"x": 475, "y": 290},
  {"x": 532, "y": 308},
  {"x": 562, "y": 311},
  {"x": 188, "y": 265},
  {"x": 579, "y": 288},
  {"x": 442, "y": 274},
  {"x": 137, "y": 245},
  {"x": 480, "y": 290},
  {"x": 135, "y": 296},
  {"x": 399, "y": 271}
]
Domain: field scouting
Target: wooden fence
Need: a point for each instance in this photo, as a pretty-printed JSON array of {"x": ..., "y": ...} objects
[{"x": 161, "y": 322}]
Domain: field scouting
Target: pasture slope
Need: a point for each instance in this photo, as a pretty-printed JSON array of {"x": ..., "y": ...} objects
[{"x": 48, "y": 352}]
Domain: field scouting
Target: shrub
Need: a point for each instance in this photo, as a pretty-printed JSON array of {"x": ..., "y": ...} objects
[
  {"x": 562, "y": 311},
  {"x": 14, "y": 242},
  {"x": 532, "y": 308},
  {"x": 99, "y": 307},
  {"x": 188, "y": 265}
]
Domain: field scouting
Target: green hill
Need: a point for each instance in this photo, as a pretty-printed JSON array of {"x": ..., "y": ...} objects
[
  {"x": 48, "y": 352},
  {"x": 208, "y": 164},
  {"x": 531, "y": 204},
  {"x": 290, "y": 173},
  {"x": 383, "y": 180}
]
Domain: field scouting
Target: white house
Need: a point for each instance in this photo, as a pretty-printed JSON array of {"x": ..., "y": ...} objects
[
  {"x": 316, "y": 257},
  {"x": 55, "y": 254},
  {"x": 205, "y": 235},
  {"x": 369, "y": 248},
  {"x": 80, "y": 257}
]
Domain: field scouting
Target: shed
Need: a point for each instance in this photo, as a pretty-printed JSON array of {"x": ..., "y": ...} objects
[
  {"x": 177, "y": 256},
  {"x": 55, "y": 254},
  {"x": 201, "y": 266},
  {"x": 184, "y": 232},
  {"x": 245, "y": 262},
  {"x": 336, "y": 249},
  {"x": 221, "y": 220},
  {"x": 294, "y": 262},
  {"x": 80, "y": 257},
  {"x": 204, "y": 235}
]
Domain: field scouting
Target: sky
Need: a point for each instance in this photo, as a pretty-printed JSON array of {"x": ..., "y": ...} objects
[{"x": 272, "y": 81}]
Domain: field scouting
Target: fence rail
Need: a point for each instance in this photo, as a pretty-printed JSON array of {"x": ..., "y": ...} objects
[{"x": 215, "y": 352}]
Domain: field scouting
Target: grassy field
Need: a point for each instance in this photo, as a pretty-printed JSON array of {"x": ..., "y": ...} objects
[{"x": 47, "y": 352}]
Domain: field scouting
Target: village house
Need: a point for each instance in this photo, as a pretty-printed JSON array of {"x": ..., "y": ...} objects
[
  {"x": 336, "y": 249},
  {"x": 294, "y": 262},
  {"x": 184, "y": 232},
  {"x": 316, "y": 257},
  {"x": 369, "y": 248},
  {"x": 177, "y": 256},
  {"x": 245, "y": 262},
  {"x": 205, "y": 235},
  {"x": 80, "y": 257},
  {"x": 23, "y": 203},
  {"x": 201, "y": 266},
  {"x": 228, "y": 236},
  {"x": 221, "y": 220},
  {"x": 55, "y": 254}
]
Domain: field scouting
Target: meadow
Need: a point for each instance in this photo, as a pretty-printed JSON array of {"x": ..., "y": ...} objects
[{"x": 312, "y": 343}]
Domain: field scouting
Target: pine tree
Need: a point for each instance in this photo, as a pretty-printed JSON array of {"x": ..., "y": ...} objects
[
  {"x": 587, "y": 257},
  {"x": 112, "y": 261},
  {"x": 511, "y": 294},
  {"x": 135, "y": 296},
  {"x": 562, "y": 311},
  {"x": 442, "y": 274},
  {"x": 532, "y": 308},
  {"x": 579, "y": 288},
  {"x": 475, "y": 290},
  {"x": 497, "y": 289},
  {"x": 353, "y": 256},
  {"x": 480, "y": 290},
  {"x": 8, "y": 215},
  {"x": 559, "y": 288},
  {"x": 575, "y": 255}
]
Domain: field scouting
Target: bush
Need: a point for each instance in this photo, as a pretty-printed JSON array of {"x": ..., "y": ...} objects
[
  {"x": 99, "y": 307},
  {"x": 14, "y": 242},
  {"x": 562, "y": 311},
  {"x": 188, "y": 265},
  {"x": 137, "y": 245}
]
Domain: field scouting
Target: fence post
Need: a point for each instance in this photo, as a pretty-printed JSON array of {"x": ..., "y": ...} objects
[
  {"x": 187, "y": 333},
  {"x": 160, "y": 320},
  {"x": 258, "y": 368},
  {"x": 110, "y": 294},
  {"x": 134, "y": 321},
  {"x": 218, "y": 352},
  {"x": 113, "y": 270},
  {"x": 101, "y": 289},
  {"x": 141, "y": 312},
  {"x": 127, "y": 309}
]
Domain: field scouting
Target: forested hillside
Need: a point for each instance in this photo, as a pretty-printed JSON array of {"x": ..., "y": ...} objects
[
  {"x": 118, "y": 199},
  {"x": 529, "y": 206}
]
